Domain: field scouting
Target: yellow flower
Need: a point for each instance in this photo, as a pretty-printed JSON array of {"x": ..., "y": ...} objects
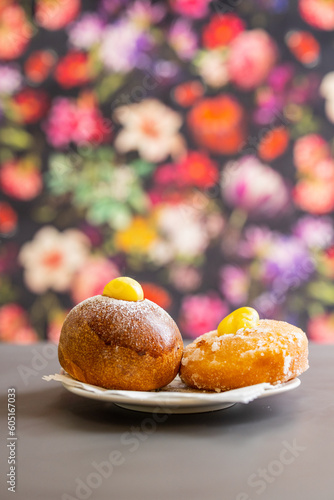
[{"x": 138, "y": 237}]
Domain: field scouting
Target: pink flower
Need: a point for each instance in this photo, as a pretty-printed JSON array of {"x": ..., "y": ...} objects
[
  {"x": 14, "y": 325},
  {"x": 308, "y": 151},
  {"x": 21, "y": 179},
  {"x": 52, "y": 258},
  {"x": 234, "y": 284},
  {"x": 318, "y": 13},
  {"x": 252, "y": 56},
  {"x": 190, "y": 8},
  {"x": 201, "y": 313},
  {"x": 321, "y": 329},
  {"x": 182, "y": 39},
  {"x": 78, "y": 121},
  {"x": 254, "y": 187},
  {"x": 185, "y": 278},
  {"x": 92, "y": 277}
]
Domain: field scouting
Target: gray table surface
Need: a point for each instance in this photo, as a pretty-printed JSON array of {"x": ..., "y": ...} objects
[{"x": 69, "y": 447}]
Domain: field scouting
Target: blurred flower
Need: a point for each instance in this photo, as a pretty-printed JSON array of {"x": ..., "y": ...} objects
[
  {"x": 315, "y": 195},
  {"x": 79, "y": 121},
  {"x": 318, "y": 13},
  {"x": 274, "y": 143},
  {"x": 187, "y": 93},
  {"x": 151, "y": 128},
  {"x": 304, "y": 47},
  {"x": 86, "y": 31},
  {"x": 315, "y": 232},
  {"x": 251, "y": 57},
  {"x": 39, "y": 64},
  {"x": 321, "y": 329},
  {"x": 123, "y": 45},
  {"x": 55, "y": 324},
  {"x": 144, "y": 13},
  {"x": 53, "y": 15},
  {"x": 91, "y": 278},
  {"x": 30, "y": 105},
  {"x": 138, "y": 237},
  {"x": 21, "y": 178},
  {"x": 73, "y": 69},
  {"x": 308, "y": 151},
  {"x": 8, "y": 219},
  {"x": 14, "y": 325},
  {"x": 15, "y": 31},
  {"x": 185, "y": 278},
  {"x": 182, "y": 39},
  {"x": 234, "y": 284},
  {"x": 201, "y": 314},
  {"x": 157, "y": 294},
  {"x": 218, "y": 124},
  {"x": 52, "y": 258},
  {"x": 195, "y": 169},
  {"x": 254, "y": 187},
  {"x": 221, "y": 30},
  {"x": 327, "y": 92},
  {"x": 10, "y": 79},
  {"x": 257, "y": 242},
  {"x": 183, "y": 233},
  {"x": 190, "y": 8},
  {"x": 212, "y": 67}
]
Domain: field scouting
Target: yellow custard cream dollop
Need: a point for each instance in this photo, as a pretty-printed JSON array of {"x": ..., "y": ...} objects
[
  {"x": 244, "y": 317},
  {"x": 124, "y": 288}
]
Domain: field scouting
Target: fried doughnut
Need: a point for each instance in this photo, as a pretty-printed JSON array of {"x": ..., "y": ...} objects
[
  {"x": 120, "y": 344},
  {"x": 272, "y": 351}
]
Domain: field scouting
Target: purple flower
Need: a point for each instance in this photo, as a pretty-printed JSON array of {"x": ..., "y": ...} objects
[
  {"x": 182, "y": 39},
  {"x": 86, "y": 32},
  {"x": 315, "y": 232}
]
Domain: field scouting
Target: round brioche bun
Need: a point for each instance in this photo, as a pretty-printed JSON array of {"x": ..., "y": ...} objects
[
  {"x": 119, "y": 344},
  {"x": 273, "y": 352}
]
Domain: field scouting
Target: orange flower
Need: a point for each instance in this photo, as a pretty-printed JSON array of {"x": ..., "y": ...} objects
[
  {"x": 15, "y": 31},
  {"x": 273, "y": 144},
  {"x": 304, "y": 47},
  {"x": 188, "y": 93},
  {"x": 157, "y": 294},
  {"x": 315, "y": 196},
  {"x": 54, "y": 15},
  {"x": 38, "y": 65},
  {"x": 138, "y": 237},
  {"x": 217, "y": 124},
  {"x": 31, "y": 105}
]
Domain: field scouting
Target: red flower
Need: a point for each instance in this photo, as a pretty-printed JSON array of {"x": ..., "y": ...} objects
[
  {"x": 273, "y": 144},
  {"x": 221, "y": 30},
  {"x": 304, "y": 47},
  {"x": 38, "y": 65},
  {"x": 31, "y": 105},
  {"x": 157, "y": 294},
  {"x": 54, "y": 15},
  {"x": 197, "y": 169},
  {"x": 15, "y": 31},
  {"x": 73, "y": 69},
  {"x": 218, "y": 124},
  {"x": 8, "y": 219},
  {"x": 21, "y": 179},
  {"x": 321, "y": 329},
  {"x": 187, "y": 93}
]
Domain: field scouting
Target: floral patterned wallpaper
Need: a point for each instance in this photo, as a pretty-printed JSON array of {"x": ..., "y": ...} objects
[{"x": 188, "y": 144}]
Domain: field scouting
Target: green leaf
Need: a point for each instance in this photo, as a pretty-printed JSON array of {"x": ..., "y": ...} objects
[
  {"x": 15, "y": 138},
  {"x": 322, "y": 291},
  {"x": 108, "y": 86},
  {"x": 142, "y": 167}
]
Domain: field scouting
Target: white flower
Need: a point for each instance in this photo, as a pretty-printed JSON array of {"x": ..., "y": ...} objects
[
  {"x": 51, "y": 258},
  {"x": 10, "y": 79},
  {"x": 212, "y": 67},
  {"x": 151, "y": 128},
  {"x": 119, "y": 46},
  {"x": 183, "y": 231}
]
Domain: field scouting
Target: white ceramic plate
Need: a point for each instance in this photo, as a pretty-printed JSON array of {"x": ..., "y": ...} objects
[{"x": 174, "y": 398}]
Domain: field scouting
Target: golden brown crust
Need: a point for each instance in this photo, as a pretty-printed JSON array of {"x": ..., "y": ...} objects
[
  {"x": 120, "y": 344},
  {"x": 273, "y": 352}
]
